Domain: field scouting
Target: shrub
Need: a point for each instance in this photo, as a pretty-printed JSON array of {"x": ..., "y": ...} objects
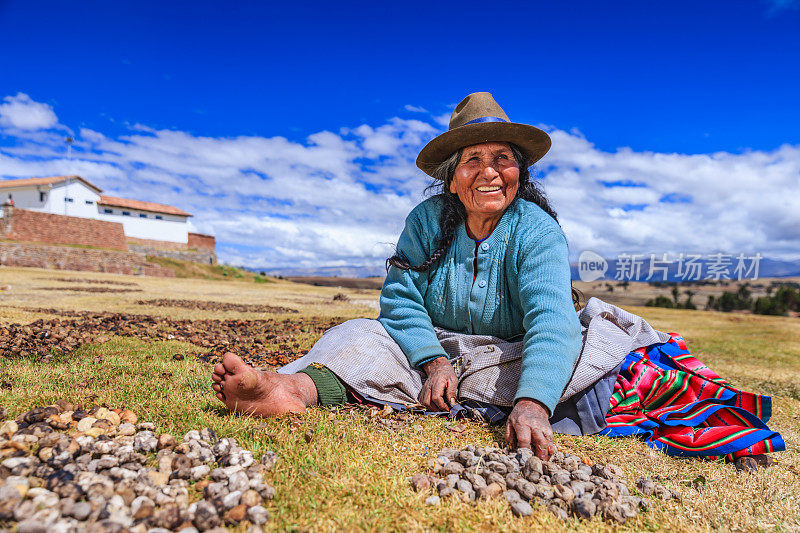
[
  {"x": 767, "y": 305},
  {"x": 660, "y": 301},
  {"x": 729, "y": 301},
  {"x": 785, "y": 299}
]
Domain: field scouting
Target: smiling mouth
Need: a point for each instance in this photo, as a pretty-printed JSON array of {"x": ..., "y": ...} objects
[{"x": 492, "y": 188}]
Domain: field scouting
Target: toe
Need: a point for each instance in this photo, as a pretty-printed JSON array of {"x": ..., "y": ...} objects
[
  {"x": 217, "y": 387},
  {"x": 219, "y": 369},
  {"x": 221, "y": 396},
  {"x": 233, "y": 363},
  {"x": 216, "y": 377}
]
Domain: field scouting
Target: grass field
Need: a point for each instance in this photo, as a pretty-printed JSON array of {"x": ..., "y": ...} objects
[{"x": 352, "y": 474}]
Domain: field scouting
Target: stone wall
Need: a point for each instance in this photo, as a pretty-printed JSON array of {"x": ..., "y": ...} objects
[
  {"x": 150, "y": 243},
  {"x": 84, "y": 259},
  {"x": 33, "y": 226},
  {"x": 199, "y": 249},
  {"x": 27, "y": 226},
  {"x": 207, "y": 258}
]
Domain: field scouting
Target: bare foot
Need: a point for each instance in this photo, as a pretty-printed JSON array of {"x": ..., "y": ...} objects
[{"x": 246, "y": 390}]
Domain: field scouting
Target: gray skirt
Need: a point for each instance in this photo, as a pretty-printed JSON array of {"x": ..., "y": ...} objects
[{"x": 365, "y": 357}]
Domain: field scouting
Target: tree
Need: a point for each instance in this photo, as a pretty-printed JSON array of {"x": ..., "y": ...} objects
[
  {"x": 689, "y": 304},
  {"x": 744, "y": 294}
]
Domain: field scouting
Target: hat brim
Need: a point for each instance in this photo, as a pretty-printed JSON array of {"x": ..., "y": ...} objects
[{"x": 533, "y": 141}]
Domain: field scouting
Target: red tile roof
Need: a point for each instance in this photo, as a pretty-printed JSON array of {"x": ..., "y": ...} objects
[
  {"x": 25, "y": 182},
  {"x": 142, "y": 206}
]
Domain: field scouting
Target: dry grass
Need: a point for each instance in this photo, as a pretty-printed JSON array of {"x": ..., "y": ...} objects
[
  {"x": 26, "y": 284},
  {"x": 352, "y": 476}
]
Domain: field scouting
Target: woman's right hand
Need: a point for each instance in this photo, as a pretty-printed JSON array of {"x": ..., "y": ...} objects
[{"x": 440, "y": 387}]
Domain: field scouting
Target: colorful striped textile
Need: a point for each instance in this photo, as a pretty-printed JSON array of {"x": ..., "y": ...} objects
[{"x": 680, "y": 406}]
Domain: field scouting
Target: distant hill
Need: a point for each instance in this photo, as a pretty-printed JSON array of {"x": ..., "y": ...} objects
[
  {"x": 767, "y": 268},
  {"x": 327, "y": 272}
]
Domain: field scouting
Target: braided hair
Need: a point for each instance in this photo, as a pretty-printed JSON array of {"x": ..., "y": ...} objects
[{"x": 453, "y": 211}]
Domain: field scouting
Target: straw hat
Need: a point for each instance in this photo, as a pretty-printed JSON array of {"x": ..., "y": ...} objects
[{"x": 479, "y": 119}]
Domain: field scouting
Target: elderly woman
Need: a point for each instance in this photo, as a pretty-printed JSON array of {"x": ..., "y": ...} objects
[{"x": 477, "y": 308}]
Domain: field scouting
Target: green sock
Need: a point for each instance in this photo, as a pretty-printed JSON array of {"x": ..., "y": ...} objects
[{"x": 330, "y": 388}]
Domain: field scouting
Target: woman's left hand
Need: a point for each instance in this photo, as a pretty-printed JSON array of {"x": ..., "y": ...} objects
[{"x": 528, "y": 426}]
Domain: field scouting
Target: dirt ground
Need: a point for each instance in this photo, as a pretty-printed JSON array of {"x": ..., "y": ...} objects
[{"x": 352, "y": 475}]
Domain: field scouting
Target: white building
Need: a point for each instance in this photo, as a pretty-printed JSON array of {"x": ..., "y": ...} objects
[{"x": 76, "y": 197}]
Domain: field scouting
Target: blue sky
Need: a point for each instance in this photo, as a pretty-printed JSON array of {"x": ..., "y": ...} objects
[{"x": 290, "y": 129}]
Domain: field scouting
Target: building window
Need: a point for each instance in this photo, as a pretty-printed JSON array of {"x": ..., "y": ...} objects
[
  {"x": 42, "y": 196},
  {"x": 108, "y": 211},
  {"x": 126, "y": 213},
  {"x": 142, "y": 215},
  {"x": 159, "y": 217},
  {"x": 89, "y": 202},
  {"x": 69, "y": 200}
]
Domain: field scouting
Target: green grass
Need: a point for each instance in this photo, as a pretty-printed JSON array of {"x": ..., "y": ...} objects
[{"x": 189, "y": 269}]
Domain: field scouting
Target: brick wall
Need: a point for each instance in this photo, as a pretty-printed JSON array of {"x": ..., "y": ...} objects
[
  {"x": 197, "y": 241},
  {"x": 83, "y": 259},
  {"x": 206, "y": 258},
  {"x": 202, "y": 242},
  {"x": 150, "y": 243},
  {"x": 33, "y": 226},
  {"x": 199, "y": 249}
]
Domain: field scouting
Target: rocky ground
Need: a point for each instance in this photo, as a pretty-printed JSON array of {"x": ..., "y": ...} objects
[
  {"x": 68, "y": 469},
  {"x": 566, "y": 485},
  {"x": 216, "y": 306},
  {"x": 262, "y": 343}
]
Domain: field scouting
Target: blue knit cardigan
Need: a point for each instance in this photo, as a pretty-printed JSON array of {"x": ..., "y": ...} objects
[{"x": 522, "y": 290}]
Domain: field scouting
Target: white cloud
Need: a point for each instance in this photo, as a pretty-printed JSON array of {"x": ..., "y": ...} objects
[
  {"x": 443, "y": 119},
  {"x": 341, "y": 198},
  {"x": 738, "y": 202},
  {"x": 21, "y": 112},
  {"x": 415, "y": 109}
]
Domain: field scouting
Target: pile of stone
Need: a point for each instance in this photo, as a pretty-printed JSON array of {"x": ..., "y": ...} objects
[
  {"x": 565, "y": 485},
  {"x": 63, "y": 469}
]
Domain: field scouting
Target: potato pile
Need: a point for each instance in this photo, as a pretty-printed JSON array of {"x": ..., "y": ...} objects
[
  {"x": 565, "y": 485},
  {"x": 63, "y": 468}
]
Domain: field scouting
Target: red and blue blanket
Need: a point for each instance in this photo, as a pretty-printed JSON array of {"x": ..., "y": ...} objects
[{"x": 678, "y": 405}]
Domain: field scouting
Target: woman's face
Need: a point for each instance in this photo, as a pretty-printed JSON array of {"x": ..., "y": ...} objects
[{"x": 486, "y": 179}]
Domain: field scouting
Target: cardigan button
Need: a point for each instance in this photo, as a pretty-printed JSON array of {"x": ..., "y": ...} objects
[
  {"x": 482, "y": 283},
  {"x": 484, "y": 246}
]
